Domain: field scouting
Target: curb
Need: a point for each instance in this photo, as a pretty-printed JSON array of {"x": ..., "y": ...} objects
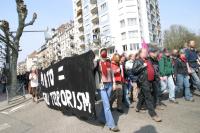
[{"x": 15, "y": 104}]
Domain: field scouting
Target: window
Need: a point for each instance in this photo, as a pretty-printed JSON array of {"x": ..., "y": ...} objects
[
  {"x": 86, "y": 8},
  {"x": 133, "y": 34},
  {"x": 104, "y": 18},
  {"x": 123, "y": 35},
  {"x": 120, "y": 1},
  {"x": 134, "y": 46},
  {"x": 122, "y": 23},
  {"x": 125, "y": 47},
  {"x": 111, "y": 51},
  {"x": 132, "y": 21},
  {"x": 103, "y": 6}
]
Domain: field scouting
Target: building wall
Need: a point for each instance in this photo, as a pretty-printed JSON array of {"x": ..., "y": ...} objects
[{"x": 123, "y": 23}]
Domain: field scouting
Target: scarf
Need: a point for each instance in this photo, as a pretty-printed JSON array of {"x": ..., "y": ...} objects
[{"x": 104, "y": 66}]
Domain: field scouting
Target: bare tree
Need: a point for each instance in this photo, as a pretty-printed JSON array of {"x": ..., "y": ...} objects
[
  {"x": 176, "y": 36},
  {"x": 12, "y": 39}
]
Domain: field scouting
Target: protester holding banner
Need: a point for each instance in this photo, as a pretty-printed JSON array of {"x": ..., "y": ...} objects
[
  {"x": 33, "y": 77},
  {"x": 105, "y": 90},
  {"x": 117, "y": 92}
]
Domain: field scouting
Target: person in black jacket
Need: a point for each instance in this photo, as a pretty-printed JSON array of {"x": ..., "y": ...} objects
[
  {"x": 181, "y": 68},
  {"x": 156, "y": 88},
  {"x": 145, "y": 72}
]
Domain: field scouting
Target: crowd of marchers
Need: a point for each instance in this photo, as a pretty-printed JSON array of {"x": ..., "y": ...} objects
[{"x": 144, "y": 78}]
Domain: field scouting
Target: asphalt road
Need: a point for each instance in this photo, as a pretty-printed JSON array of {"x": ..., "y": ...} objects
[{"x": 38, "y": 118}]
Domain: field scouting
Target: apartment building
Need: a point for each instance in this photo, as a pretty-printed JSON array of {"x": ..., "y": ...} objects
[
  {"x": 21, "y": 68},
  {"x": 119, "y": 25},
  {"x": 62, "y": 44},
  {"x": 31, "y": 61}
]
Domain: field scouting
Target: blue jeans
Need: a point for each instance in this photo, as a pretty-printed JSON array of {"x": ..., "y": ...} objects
[
  {"x": 106, "y": 115},
  {"x": 169, "y": 84},
  {"x": 195, "y": 80},
  {"x": 125, "y": 95},
  {"x": 183, "y": 83}
]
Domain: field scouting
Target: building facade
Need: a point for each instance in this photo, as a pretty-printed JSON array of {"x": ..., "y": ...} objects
[
  {"x": 62, "y": 44},
  {"x": 31, "y": 61},
  {"x": 21, "y": 68},
  {"x": 119, "y": 25}
]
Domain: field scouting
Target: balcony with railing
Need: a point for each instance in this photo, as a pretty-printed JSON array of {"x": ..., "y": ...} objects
[
  {"x": 78, "y": 2},
  {"x": 79, "y": 10},
  {"x": 94, "y": 8},
  {"x": 95, "y": 18},
  {"x": 81, "y": 35},
  {"x": 80, "y": 18},
  {"x": 80, "y": 27},
  {"x": 93, "y": 1}
]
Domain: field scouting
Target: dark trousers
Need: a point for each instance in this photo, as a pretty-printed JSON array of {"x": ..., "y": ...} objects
[
  {"x": 35, "y": 92},
  {"x": 116, "y": 94},
  {"x": 145, "y": 96},
  {"x": 156, "y": 92}
]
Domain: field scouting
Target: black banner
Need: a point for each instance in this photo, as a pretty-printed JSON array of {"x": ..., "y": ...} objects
[{"x": 69, "y": 85}]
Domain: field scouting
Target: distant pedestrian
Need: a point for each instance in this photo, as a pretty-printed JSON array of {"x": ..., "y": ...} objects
[
  {"x": 33, "y": 77},
  {"x": 4, "y": 82}
]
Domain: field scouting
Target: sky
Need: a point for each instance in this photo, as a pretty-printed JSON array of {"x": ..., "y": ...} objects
[{"x": 52, "y": 13}]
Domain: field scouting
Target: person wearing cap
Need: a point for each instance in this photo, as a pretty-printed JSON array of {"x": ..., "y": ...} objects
[
  {"x": 106, "y": 85},
  {"x": 192, "y": 58},
  {"x": 166, "y": 75},
  {"x": 156, "y": 93},
  {"x": 182, "y": 76},
  {"x": 145, "y": 72}
]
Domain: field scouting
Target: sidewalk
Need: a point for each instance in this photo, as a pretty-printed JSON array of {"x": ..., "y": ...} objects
[{"x": 15, "y": 101}]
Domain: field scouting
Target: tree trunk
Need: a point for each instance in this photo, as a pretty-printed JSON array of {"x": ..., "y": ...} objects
[
  {"x": 13, "y": 72},
  {"x": 7, "y": 72}
]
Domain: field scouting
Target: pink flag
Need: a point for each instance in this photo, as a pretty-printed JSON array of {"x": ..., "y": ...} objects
[{"x": 144, "y": 44}]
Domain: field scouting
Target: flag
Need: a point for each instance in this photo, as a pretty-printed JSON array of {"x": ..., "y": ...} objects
[{"x": 144, "y": 44}]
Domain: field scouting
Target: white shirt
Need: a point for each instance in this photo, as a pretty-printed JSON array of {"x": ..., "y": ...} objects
[
  {"x": 34, "y": 80},
  {"x": 129, "y": 65}
]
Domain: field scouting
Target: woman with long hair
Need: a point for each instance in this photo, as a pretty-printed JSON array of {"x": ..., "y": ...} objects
[
  {"x": 33, "y": 77},
  {"x": 117, "y": 92}
]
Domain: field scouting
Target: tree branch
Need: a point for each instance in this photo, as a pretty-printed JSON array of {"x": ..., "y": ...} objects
[
  {"x": 32, "y": 21},
  {"x": 22, "y": 14},
  {"x": 3, "y": 39}
]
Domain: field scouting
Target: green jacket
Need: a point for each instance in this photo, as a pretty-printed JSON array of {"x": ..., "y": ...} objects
[{"x": 165, "y": 66}]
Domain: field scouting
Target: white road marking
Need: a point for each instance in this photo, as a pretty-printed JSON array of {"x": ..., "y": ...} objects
[
  {"x": 16, "y": 108},
  {"x": 4, "y": 126},
  {"x": 4, "y": 112}
]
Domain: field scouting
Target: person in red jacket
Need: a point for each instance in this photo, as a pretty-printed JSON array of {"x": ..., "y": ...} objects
[{"x": 117, "y": 82}]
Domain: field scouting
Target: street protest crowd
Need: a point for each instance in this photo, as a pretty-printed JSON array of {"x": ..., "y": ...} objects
[
  {"x": 139, "y": 80},
  {"x": 144, "y": 78}
]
